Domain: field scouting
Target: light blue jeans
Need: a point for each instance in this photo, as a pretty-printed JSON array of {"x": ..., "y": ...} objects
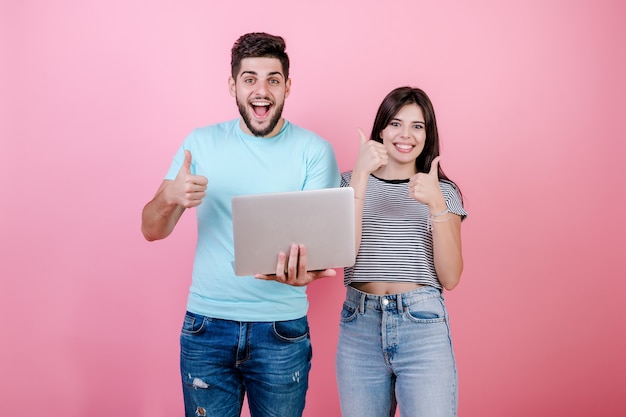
[
  {"x": 396, "y": 350},
  {"x": 221, "y": 360}
]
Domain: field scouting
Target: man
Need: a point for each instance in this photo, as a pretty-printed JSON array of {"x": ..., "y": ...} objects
[{"x": 241, "y": 334}]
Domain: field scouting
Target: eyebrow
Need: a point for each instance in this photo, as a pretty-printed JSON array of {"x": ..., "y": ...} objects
[
  {"x": 256, "y": 74},
  {"x": 416, "y": 121}
]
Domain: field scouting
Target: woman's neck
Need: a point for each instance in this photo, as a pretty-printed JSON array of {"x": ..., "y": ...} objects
[{"x": 395, "y": 172}]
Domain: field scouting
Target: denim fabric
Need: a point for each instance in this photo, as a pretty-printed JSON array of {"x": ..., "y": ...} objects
[
  {"x": 396, "y": 350},
  {"x": 221, "y": 360}
]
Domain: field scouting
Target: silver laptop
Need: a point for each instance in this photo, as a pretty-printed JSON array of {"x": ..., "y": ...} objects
[{"x": 266, "y": 224}]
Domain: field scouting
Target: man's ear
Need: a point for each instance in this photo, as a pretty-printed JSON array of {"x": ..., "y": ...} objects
[
  {"x": 232, "y": 86},
  {"x": 287, "y": 87}
]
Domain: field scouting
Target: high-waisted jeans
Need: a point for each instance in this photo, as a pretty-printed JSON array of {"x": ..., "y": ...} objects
[
  {"x": 221, "y": 360},
  {"x": 396, "y": 350}
]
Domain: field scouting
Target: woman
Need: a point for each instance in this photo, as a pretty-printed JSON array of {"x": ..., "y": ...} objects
[{"x": 394, "y": 340}]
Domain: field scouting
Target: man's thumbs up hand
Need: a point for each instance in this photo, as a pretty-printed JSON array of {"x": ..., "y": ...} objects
[{"x": 188, "y": 190}]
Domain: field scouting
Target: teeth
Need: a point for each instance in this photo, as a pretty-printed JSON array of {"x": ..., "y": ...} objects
[
  {"x": 260, "y": 103},
  {"x": 406, "y": 147}
]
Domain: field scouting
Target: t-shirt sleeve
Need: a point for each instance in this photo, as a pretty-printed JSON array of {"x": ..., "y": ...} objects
[
  {"x": 322, "y": 168},
  {"x": 345, "y": 179},
  {"x": 454, "y": 201}
]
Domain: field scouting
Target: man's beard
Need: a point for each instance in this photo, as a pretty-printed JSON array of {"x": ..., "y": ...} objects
[{"x": 256, "y": 132}]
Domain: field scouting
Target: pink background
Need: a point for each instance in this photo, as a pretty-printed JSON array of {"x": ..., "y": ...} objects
[{"x": 95, "y": 97}]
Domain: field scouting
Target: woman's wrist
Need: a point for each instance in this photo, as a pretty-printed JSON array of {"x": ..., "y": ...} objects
[
  {"x": 437, "y": 214},
  {"x": 438, "y": 217}
]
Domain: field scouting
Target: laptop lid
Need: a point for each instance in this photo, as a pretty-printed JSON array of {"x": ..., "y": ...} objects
[{"x": 266, "y": 224}]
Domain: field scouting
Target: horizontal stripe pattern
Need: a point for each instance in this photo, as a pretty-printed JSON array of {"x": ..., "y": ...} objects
[{"x": 396, "y": 243}]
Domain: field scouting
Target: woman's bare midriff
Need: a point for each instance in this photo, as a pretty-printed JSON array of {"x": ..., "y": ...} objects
[{"x": 383, "y": 288}]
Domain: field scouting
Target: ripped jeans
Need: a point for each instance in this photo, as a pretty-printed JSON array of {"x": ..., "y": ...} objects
[{"x": 221, "y": 360}]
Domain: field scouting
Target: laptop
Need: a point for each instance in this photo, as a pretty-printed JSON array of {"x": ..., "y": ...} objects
[{"x": 266, "y": 224}]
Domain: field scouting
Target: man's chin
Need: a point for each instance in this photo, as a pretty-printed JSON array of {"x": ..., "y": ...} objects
[
  {"x": 263, "y": 128},
  {"x": 259, "y": 129}
]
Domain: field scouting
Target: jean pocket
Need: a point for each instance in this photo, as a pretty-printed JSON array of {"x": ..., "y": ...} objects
[
  {"x": 194, "y": 324},
  {"x": 292, "y": 330},
  {"x": 430, "y": 311},
  {"x": 348, "y": 313}
]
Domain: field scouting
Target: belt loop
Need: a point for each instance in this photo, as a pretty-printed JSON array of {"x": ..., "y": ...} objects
[
  {"x": 399, "y": 303},
  {"x": 362, "y": 303}
]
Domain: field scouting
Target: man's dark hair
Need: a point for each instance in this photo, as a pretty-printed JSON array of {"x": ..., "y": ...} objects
[{"x": 259, "y": 45}]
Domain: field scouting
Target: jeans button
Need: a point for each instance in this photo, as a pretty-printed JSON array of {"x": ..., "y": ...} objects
[{"x": 385, "y": 301}]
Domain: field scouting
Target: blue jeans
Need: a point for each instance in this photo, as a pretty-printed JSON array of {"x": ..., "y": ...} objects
[
  {"x": 221, "y": 360},
  {"x": 395, "y": 350}
]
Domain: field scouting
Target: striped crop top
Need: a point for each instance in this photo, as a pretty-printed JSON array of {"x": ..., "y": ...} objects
[{"x": 396, "y": 245}]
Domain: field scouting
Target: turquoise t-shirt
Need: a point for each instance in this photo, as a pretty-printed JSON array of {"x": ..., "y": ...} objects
[{"x": 236, "y": 163}]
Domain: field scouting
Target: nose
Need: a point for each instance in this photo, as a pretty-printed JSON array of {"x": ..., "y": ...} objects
[
  {"x": 406, "y": 131},
  {"x": 262, "y": 87}
]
